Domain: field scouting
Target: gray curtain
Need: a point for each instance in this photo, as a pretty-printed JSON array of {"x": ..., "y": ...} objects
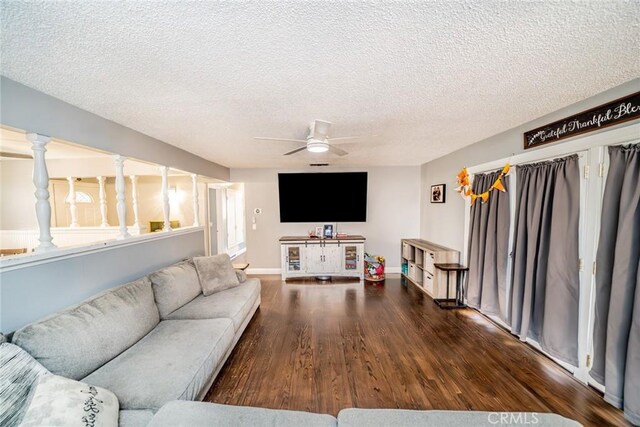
[
  {"x": 616, "y": 336},
  {"x": 489, "y": 248},
  {"x": 546, "y": 282}
]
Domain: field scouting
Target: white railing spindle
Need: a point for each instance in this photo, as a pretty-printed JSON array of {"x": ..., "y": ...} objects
[
  {"x": 196, "y": 204},
  {"x": 134, "y": 201},
  {"x": 73, "y": 209},
  {"x": 41, "y": 182},
  {"x": 121, "y": 206},
  {"x": 103, "y": 201},
  {"x": 166, "y": 208}
]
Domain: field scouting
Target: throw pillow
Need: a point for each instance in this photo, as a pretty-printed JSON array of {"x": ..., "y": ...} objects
[
  {"x": 18, "y": 373},
  {"x": 174, "y": 286},
  {"x": 59, "y": 401},
  {"x": 216, "y": 273},
  {"x": 3, "y": 339}
]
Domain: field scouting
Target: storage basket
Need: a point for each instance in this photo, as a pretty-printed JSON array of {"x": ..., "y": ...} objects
[{"x": 373, "y": 268}]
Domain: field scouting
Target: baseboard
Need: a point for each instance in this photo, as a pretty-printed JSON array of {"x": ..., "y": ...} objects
[
  {"x": 264, "y": 271},
  {"x": 390, "y": 270}
]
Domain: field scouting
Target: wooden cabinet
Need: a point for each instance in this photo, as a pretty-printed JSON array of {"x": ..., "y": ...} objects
[
  {"x": 307, "y": 257},
  {"x": 418, "y": 259}
]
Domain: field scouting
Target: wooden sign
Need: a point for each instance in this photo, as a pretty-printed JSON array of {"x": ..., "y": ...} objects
[{"x": 612, "y": 113}]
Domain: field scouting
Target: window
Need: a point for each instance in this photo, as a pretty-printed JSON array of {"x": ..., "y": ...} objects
[{"x": 81, "y": 197}]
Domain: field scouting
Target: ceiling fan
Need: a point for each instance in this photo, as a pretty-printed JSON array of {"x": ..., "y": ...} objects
[{"x": 318, "y": 140}]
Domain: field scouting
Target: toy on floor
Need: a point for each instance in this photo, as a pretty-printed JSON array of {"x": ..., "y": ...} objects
[{"x": 373, "y": 268}]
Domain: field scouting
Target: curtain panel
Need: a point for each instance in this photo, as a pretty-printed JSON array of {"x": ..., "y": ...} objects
[
  {"x": 616, "y": 336},
  {"x": 545, "y": 278},
  {"x": 486, "y": 286}
]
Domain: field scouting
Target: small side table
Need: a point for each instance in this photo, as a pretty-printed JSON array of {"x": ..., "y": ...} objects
[
  {"x": 458, "y": 301},
  {"x": 241, "y": 266}
]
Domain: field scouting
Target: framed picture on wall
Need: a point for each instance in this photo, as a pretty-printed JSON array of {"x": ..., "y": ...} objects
[{"x": 438, "y": 193}]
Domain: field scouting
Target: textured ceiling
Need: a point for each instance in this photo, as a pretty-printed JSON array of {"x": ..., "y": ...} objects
[{"x": 425, "y": 78}]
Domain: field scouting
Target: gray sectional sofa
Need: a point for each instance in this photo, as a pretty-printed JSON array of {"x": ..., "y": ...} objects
[
  {"x": 151, "y": 341},
  {"x": 158, "y": 344}
]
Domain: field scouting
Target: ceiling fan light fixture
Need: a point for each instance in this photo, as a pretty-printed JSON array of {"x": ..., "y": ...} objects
[{"x": 317, "y": 146}]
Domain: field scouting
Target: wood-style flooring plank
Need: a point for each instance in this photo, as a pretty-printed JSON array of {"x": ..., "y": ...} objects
[{"x": 324, "y": 347}]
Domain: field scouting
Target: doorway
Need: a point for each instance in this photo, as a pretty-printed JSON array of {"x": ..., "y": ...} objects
[{"x": 212, "y": 223}]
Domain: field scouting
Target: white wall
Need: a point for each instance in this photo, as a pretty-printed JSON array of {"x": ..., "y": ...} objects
[
  {"x": 17, "y": 199},
  {"x": 444, "y": 223},
  {"x": 393, "y": 212}
]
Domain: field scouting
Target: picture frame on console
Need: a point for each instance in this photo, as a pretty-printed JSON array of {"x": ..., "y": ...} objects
[
  {"x": 319, "y": 232},
  {"x": 438, "y": 193},
  {"x": 328, "y": 231}
]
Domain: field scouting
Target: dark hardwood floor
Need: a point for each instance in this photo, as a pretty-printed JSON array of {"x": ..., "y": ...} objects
[{"x": 322, "y": 348}]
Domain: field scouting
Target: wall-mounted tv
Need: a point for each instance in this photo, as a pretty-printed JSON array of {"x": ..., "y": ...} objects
[{"x": 323, "y": 197}]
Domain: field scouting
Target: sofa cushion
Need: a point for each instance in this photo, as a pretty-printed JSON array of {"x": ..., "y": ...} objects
[
  {"x": 195, "y": 414},
  {"x": 19, "y": 372},
  {"x": 353, "y": 417},
  {"x": 174, "y": 286},
  {"x": 174, "y": 362},
  {"x": 77, "y": 341},
  {"x": 135, "y": 417},
  {"x": 234, "y": 303},
  {"x": 216, "y": 273},
  {"x": 60, "y": 402}
]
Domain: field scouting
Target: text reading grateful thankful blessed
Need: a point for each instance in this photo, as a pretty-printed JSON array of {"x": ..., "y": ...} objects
[{"x": 615, "y": 112}]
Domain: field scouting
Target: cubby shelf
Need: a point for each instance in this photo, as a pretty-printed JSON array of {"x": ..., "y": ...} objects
[{"x": 418, "y": 259}]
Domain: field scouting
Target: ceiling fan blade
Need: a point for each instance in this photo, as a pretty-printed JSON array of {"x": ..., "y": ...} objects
[
  {"x": 345, "y": 138},
  {"x": 15, "y": 155},
  {"x": 280, "y": 139},
  {"x": 321, "y": 129},
  {"x": 338, "y": 151},
  {"x": 297, "y": 150}
]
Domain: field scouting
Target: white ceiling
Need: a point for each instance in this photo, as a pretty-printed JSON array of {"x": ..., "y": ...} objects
[{"x": 425, "y": 77}]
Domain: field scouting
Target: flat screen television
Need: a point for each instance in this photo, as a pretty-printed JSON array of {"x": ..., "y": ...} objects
[{"x": 323, "y": 197}]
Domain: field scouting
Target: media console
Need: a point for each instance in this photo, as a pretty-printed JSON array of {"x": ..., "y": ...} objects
[{"x": 313, "y": 257}]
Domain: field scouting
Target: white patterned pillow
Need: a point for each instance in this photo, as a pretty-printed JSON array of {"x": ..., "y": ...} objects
[
  {"x": 18, "y": 373},
  {"x": 58, "y": 401}
]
